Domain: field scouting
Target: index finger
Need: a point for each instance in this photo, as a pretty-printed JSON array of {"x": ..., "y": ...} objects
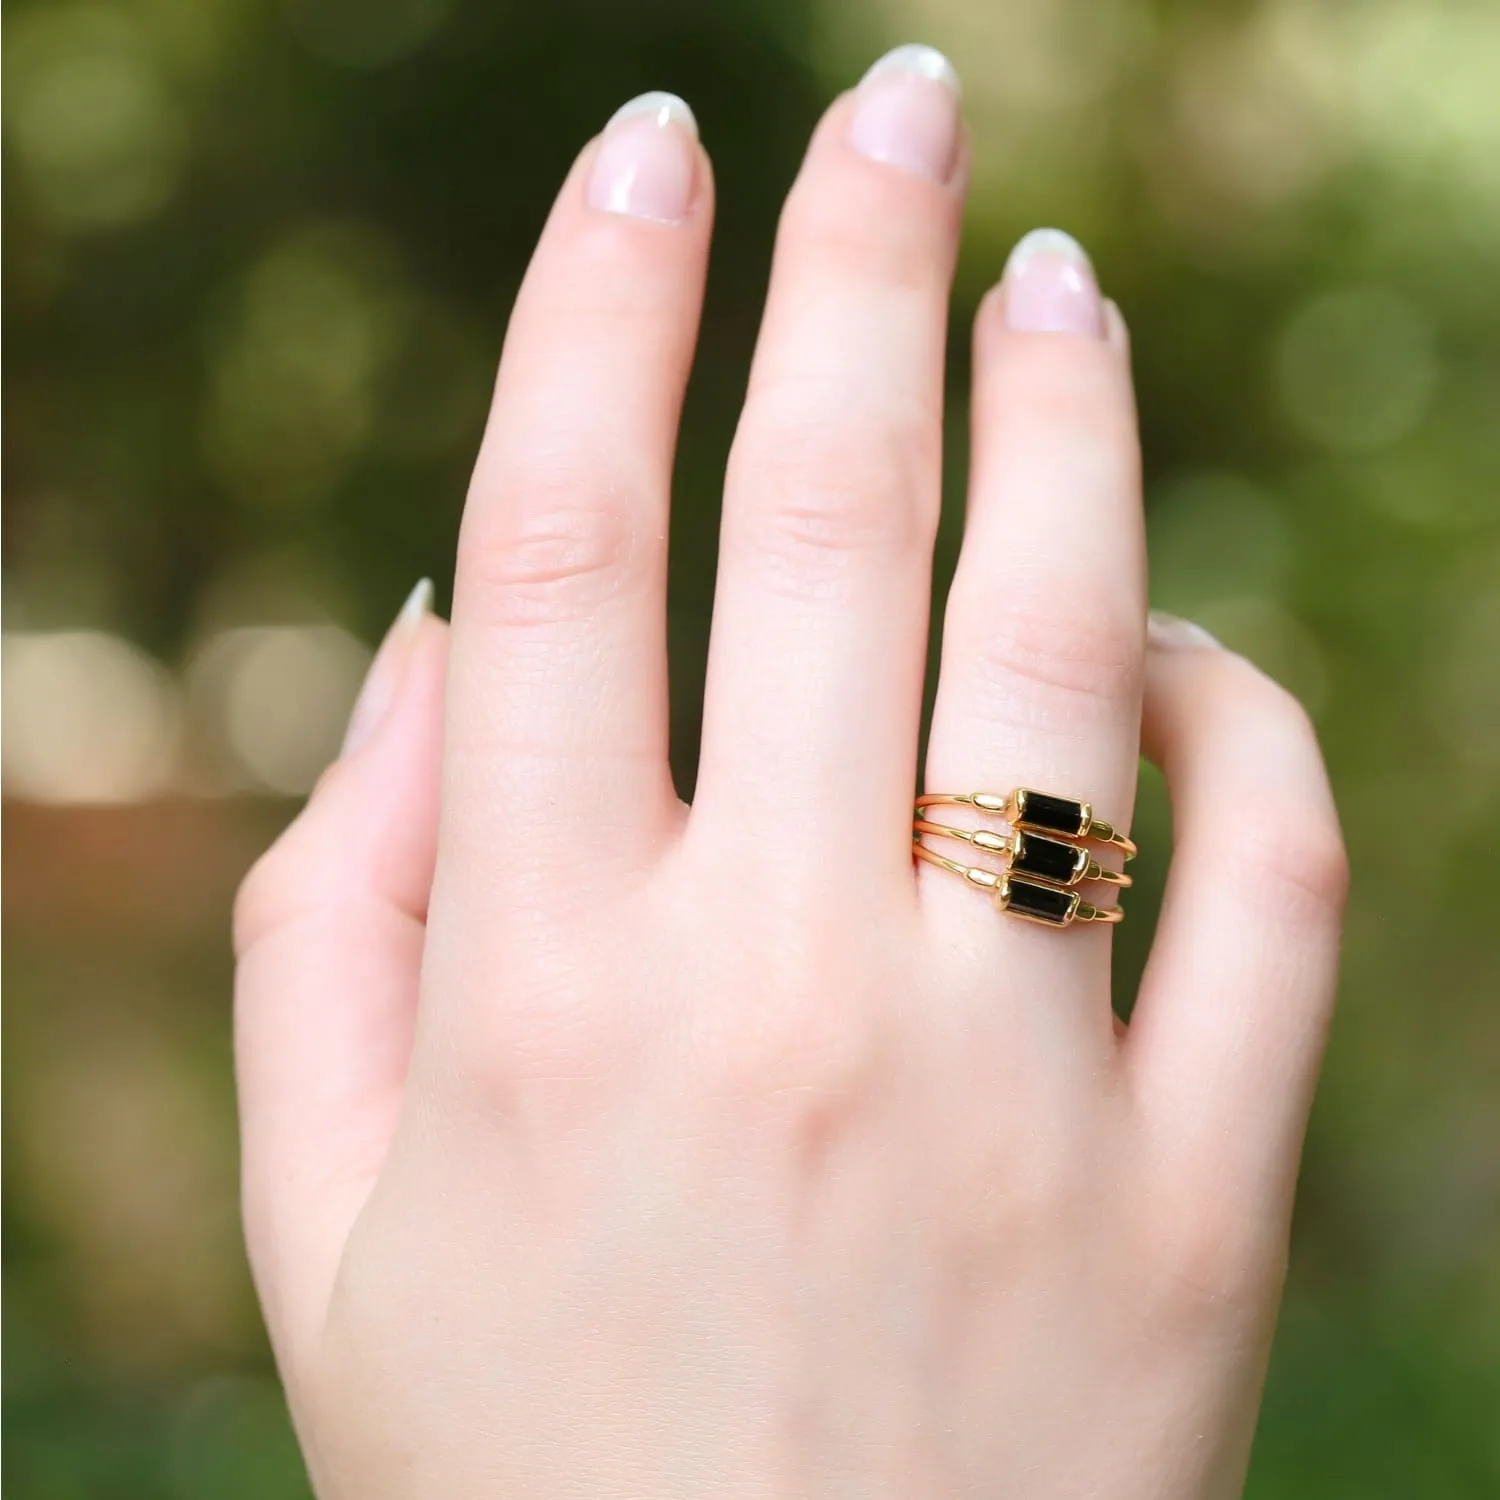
[{"x": 557, "y": 700}]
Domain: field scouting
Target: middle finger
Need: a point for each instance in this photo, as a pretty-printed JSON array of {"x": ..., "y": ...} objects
[{"x": 819, "y": 635}]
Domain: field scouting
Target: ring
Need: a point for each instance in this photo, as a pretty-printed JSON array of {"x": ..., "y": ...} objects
[
  {"x": 1037, "y": 812},
  {"x": 1029, "y": 899},
  {"x": 1035, "y": 854}
]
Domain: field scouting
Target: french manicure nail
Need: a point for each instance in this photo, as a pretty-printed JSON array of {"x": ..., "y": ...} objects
[
  {"x": 647, "y": 165},
  {"x": 1050, "y": 287},
  {"x": 906, "y": 112},
  {"x": 1172, "y": 633},
  {"x": 388, "y": 668}
]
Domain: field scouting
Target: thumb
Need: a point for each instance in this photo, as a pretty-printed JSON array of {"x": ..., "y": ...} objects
[{"x": 329, "y": 928}]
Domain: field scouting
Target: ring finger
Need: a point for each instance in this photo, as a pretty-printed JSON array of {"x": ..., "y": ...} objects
[{"x": 1045, "y": 629}]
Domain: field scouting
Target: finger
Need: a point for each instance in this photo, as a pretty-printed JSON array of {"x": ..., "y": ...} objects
[
  {"x": 1045, "y": 626},
  {"x": 557, "y": 735},
  {"x": 820, "y": 617},
  {"x": 329, "y": 938},
  {"x": 1228, "y": 1029}
]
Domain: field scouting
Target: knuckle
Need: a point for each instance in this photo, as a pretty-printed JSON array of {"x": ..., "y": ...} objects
[
  {"x": 1045, "y": 1186},
  {"x": 549, "y": 1046},
  {"x": 808, "y": 1057},
  {"x": 1214, "y": 1260},
  {"x": 1328, "y": 875},
  {"x": 825, "y": 492},
  {"x": 776, "y": 1052},
  {"x": 1028, "y": 642},
  {"x": 1303, "y": 865},
  {"x": 548, "y": 1031},
  {"x": 267, "y": 896},
  {"x": 1276, "y": 704},
  {"x": 549, "y": 550},
  {"x": 306, "y": 879},
  {"x": 1295, "y": 848}
]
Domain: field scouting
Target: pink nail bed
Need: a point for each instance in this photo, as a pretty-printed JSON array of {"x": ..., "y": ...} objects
[
  {"x": 906, "y": 113},
  {"x": 647, "y": 165},
  {"x": 1050, "y": 287}
]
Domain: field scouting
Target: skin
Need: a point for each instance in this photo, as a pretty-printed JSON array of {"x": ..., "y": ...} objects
[{"x": 595, "y": 1145}]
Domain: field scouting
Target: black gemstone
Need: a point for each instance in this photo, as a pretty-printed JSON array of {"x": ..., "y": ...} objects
[
  {"x": 1051, "y": 814},
  {"x": 1043, "y": 903},
  {"x": 1047, "y": 859}
]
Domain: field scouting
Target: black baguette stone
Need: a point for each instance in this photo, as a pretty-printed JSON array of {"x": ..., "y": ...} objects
[
  {"x": 1052, "y": 814},
  {"x": 1043, "y": 902},
  {"x": 1047, "y": 859}
]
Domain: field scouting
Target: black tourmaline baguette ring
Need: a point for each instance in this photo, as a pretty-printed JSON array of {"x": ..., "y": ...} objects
[
  {"x": 1038, "y": 812},
  {"x": 1043, "y": 851},
  {"x": 1031, "y": 855},
  {"x": 1051, "y": 905}
]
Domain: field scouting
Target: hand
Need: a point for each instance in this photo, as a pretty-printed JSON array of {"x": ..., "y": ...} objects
[{"x": 595, "y": 1145}]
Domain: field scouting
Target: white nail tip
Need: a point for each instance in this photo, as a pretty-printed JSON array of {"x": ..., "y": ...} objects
[
  {"x": 925, "y": 62},
  {"x": 666, "y": 109},
  {"x": 1054, "y": 242},
  {"x": 1171, "y": 631},
  {"x": 418, "y": 602}
]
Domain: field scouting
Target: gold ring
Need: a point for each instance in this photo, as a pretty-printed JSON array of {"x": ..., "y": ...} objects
[
  {"x": 1050, "y": 905},
  {"x": 1039, "y": 812},
  {"x": 1032, "y": 854}
]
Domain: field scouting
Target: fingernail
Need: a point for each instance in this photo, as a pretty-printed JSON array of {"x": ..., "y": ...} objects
[
  {"x": 1170, "y": 632},
  {"x": 388, "y": 668},
  {"x": 1050, "y": 287},
  {"x": 907, "y": 112},
  {"x": 1116, "y": 329},
  {"x": 647, "y": 166}
]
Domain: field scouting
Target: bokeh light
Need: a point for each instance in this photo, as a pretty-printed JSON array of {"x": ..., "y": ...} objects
[
  {"x": 92, "y": 121},
  {"x": 296, "y": 362},
  {"x": 88, "y": 718},
  {"x": 275, "y": 699},
  {"x": 1216, "y": 536},
  {"x": 1464, "y": 701},
  {"x": 1356, "y": 368},
  {"x": 365, "y": 33}
]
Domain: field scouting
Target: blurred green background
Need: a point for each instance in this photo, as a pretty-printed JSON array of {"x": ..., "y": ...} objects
[{"x": 259, "y": 256}]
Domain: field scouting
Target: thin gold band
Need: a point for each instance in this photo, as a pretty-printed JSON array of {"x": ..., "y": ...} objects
[
  {"x": 1021, "y": 898},
  {"x": 1014, "y": 847},
  {"x": 1038, "y": 812}
]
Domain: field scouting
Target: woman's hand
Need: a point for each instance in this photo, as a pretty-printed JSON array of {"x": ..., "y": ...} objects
[{"x": 596, "y": 1145}]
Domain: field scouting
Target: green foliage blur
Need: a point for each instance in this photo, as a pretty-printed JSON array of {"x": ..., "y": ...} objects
[{"x": 259, "y": 257}]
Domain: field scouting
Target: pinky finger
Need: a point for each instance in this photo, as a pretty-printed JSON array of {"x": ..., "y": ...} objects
[
  {"x": 329, "y": 934},
  {"x": 1228, "y": 1031}
]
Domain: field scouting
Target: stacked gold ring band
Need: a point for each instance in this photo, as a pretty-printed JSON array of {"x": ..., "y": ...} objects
[
  {"x": 1032, "y": 854},
  {"x": 1049, "y": 904},
  {"x": 1038, "y": 812},
  {"x": 1044, "y": 853}
]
